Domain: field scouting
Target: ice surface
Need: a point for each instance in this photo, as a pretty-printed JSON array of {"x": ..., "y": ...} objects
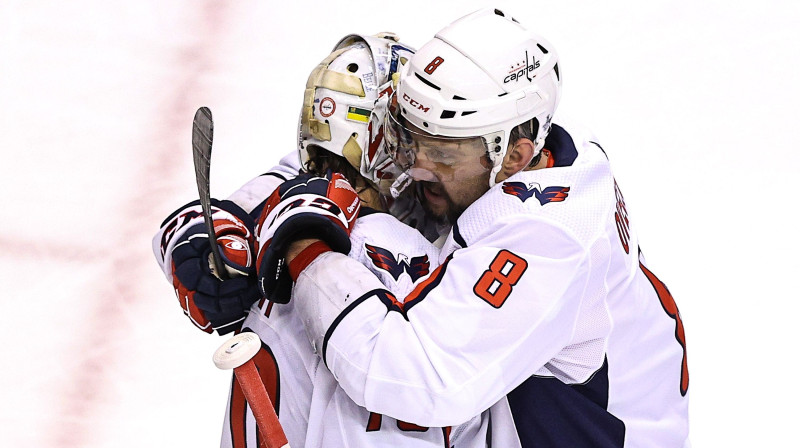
[{"x": 694, "y": 101}]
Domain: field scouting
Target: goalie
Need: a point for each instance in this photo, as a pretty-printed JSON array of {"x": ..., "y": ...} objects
[{"x": 340, "y": 130}]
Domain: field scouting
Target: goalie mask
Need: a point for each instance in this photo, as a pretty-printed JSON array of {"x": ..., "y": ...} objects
[
  {"x": 345, "y": 103},
  {"x": 469, "y": 87}
]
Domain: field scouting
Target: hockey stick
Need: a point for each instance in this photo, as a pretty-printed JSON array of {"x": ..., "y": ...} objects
[
  {"x": 237, "y": 353},
  {"x": 202, "y": 137}
]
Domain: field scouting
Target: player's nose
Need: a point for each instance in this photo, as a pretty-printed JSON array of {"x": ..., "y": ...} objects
[{"x": 421, "y": 174}]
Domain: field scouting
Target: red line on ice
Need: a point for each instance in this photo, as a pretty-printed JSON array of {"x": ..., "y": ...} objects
[{"x": 92, "y": 384}]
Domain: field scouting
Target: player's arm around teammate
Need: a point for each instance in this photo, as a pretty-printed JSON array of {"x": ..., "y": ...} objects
[
  {"x": 312, "y": 408},
  {"x": 541, "y": 291}
]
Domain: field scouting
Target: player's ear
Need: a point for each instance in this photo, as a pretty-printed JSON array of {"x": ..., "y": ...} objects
[{"x": 518, "y": 156}]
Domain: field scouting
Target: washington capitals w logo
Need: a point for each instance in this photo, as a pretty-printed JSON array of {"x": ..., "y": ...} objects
[
  {"x": 383, "y": 259},
  {"x": 546, "y": 196}
]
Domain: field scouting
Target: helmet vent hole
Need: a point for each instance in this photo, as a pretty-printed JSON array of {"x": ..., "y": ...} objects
[
  {"x": 555, "y": 69},
  {"x": 544, "y": 50},
  {"x": 468, "y": 112},
  {"x": 456, "y": 97},
  {"x": 448, "y": 114},
  {"x": 428, "y": 83},
  {"x": 425, "y": 123},
  {"x": 352, "y": 67},
  {"x": 499, "y": 13}
]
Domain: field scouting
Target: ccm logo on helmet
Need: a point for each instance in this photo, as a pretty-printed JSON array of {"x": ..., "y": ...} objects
[
  {"x": 524, "y": 68},
  {"x": 414, "y": 103}
]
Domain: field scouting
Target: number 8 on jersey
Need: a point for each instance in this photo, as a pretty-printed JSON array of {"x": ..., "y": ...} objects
[{"x": 496, "y": 283}]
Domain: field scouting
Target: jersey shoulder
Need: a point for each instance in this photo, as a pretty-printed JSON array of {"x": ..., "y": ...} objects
[
  {"x": 251, "y": 195},
  {"x": 575, "y": 194},
  {"x": 398, "y": 254}
]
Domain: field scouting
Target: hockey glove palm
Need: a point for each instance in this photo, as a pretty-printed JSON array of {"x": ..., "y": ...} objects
[
  {"x": 324, "y": 208},
  {"x": 209, "y": 302}
]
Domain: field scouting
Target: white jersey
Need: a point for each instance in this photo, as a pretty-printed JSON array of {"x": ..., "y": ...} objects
[
  {"x": 542, "y": 295},
  {"x": 313, "y": 410}
]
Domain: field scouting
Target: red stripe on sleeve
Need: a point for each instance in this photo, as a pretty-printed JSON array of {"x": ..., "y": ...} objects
[{"x": 304, "y": 258}]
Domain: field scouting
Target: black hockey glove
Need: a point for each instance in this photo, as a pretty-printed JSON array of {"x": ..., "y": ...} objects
[
  {"x": 210, "y": 303},
  {"x": 323, "y": 208}
]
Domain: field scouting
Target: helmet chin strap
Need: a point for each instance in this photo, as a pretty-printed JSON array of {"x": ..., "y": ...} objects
[{"x": 493, "y": 174}]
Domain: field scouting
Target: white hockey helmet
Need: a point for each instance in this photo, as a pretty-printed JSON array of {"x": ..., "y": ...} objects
[
  {"x": 345, "y": 103},
  {"x": 479, "y": 78}
]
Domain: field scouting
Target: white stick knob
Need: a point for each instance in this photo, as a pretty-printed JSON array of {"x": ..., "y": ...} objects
[{"x": 237, "y": 350}]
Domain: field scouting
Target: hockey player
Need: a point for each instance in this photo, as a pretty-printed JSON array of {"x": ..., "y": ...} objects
[
  {"x": 340, "y": 128},
  {"x": 333, "y": 136},
  {"x": 542, "y": 294}
]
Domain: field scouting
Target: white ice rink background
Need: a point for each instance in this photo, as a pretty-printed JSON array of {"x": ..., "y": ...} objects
[{"x": 696, "y": 103}]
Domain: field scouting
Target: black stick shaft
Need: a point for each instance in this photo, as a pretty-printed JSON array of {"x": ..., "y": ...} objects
[{"x": 202, "y": 138}]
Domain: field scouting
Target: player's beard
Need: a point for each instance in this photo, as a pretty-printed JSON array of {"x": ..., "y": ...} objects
[{"x": 438, "y": 203}]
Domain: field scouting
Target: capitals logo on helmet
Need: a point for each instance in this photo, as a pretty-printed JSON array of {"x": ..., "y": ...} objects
[{"x": 480, "y": 77}]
